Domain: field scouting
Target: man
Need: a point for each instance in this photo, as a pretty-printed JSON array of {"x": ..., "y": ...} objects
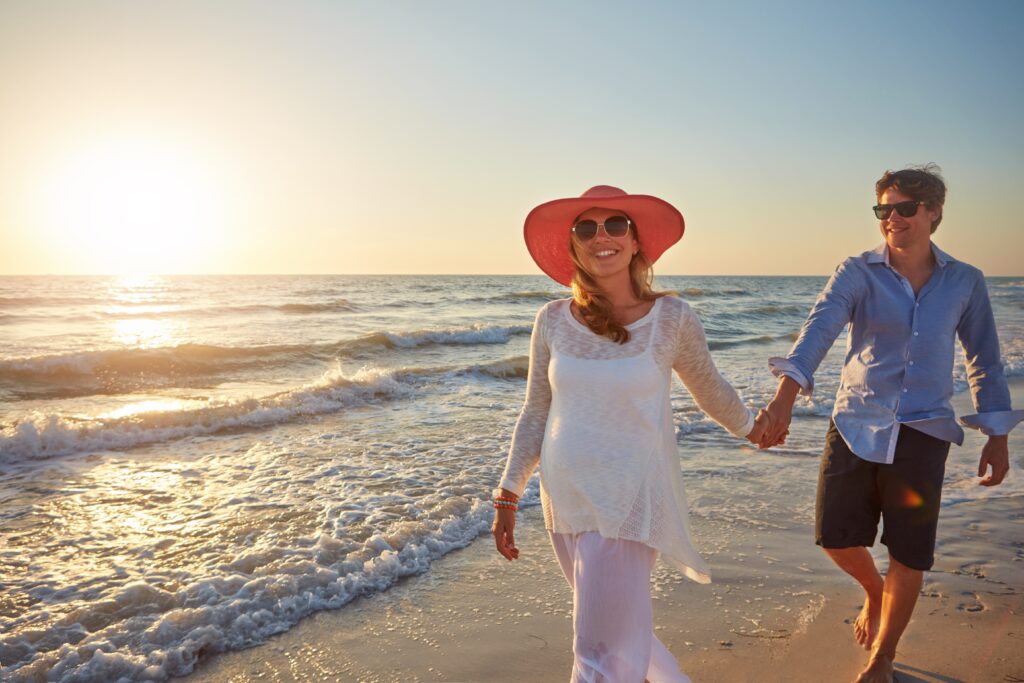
[{"x": 906, "y": 302}]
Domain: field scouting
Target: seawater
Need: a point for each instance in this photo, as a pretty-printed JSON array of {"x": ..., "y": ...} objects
[{"x": 192, "y": 464}]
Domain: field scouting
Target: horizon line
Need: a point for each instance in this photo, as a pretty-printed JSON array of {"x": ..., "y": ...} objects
[{"x": 227, "y": 274}]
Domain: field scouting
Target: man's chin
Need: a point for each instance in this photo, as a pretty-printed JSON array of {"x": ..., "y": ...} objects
[{"x": 898, "y": 241}]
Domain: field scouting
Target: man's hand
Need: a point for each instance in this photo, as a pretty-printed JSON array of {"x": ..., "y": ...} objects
[
  {"x": 780, "y": 413},
  {"x": 995, "y": 454}
]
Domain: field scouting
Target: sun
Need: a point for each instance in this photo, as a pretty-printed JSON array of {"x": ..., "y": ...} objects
[{"x": 133, "y": 205}]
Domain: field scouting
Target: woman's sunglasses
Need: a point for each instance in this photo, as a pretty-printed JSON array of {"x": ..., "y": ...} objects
[
  {"x": 614, "y": 226},
  {"x": 905, "y": 209}
]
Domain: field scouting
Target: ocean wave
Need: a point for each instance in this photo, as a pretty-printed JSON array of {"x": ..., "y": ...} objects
[
  {"x": 699, "y": 292},
  {"x": 751, "y": 318},
  {"x": 338, "y": 305},
  {"x": 335, "y": 306},
  {"x": 715, "y": 345},
  {"x": 475, "y": 334},
  {"x": 153, "y": 365},
  {"x": 506, "y": 368},
  {"x": 42, "y": 435},
  {"x": 142, "y": 631},
  {"x": 539, "y": 296},
  {"x": 1013, "y": 366},
  {"x": 181, "y": 360},
  {"x": 160, "y": 311},
  {"x": 814, "y": 407},
  {"x": 46, "y": 301},
  {"x": 776, "y": 309},
  {"x": 700, "y": 424}
]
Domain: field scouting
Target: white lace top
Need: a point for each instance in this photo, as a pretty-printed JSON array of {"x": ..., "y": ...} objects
[{"x": 598, "y": 419}]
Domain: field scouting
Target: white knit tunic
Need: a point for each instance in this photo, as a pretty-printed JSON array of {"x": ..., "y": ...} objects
[{"x": 598, "y": 419}]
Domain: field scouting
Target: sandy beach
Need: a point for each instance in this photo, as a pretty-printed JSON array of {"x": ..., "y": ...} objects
[
  {"x": 263, "y": 518},
  {"x": 777, "y": 610}
]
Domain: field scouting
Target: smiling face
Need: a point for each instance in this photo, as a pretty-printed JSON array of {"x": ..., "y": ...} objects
[
  {"x": 605, "y": 256},
  {"x": 906, "y": 233}
]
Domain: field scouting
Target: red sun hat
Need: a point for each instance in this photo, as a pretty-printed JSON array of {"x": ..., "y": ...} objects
[{"x": 548, "y": 227}]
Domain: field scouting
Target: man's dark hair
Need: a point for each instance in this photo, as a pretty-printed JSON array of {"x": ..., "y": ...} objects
[{"x": 922, "y": 183}]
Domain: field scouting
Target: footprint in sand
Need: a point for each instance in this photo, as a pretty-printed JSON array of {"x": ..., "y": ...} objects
[
  {"x": 969, "y": 602},
  {"x": 975, "y": 569}
]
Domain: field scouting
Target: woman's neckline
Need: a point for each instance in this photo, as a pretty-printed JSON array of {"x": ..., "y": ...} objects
[{"x": 639, "y": 321}]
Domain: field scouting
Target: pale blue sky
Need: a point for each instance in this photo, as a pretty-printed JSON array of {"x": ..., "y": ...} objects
[{"x": 353, "y": 137}]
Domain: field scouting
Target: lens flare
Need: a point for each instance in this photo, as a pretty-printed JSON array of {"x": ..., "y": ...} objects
[{"x": 912, "y": 499}]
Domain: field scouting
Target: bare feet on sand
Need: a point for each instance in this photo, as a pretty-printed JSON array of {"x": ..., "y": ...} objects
[
  {"x": 865, "y": 628},
  {"x": 879, "y": 670}
]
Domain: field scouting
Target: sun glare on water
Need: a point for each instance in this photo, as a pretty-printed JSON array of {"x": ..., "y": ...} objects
[{"x": 133, "y": 206}]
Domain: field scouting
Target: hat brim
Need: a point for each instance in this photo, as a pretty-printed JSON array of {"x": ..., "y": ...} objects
[{"x": 659, "y": 225}]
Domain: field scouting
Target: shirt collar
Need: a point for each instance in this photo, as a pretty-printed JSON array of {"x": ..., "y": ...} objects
[{"x": 880, "y": 254}]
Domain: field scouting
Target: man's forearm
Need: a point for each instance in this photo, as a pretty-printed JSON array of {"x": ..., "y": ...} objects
[{"x": 787, "y": 391}]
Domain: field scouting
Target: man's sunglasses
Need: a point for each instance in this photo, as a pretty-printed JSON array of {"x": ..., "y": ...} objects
[
  {"x": 905, "y": 209},
  {"x": 614, "y": 226}
]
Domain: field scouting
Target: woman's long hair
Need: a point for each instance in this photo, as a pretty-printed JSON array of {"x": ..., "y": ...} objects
[{"x": 594, "y": 305}]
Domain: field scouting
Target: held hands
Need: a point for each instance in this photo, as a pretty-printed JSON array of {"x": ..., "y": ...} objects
[
  {"x": 779, "y": 413},
  {"x": 764, "y": 428}
]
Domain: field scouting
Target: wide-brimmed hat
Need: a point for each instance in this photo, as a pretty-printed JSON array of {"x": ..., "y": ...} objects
[{"x": 659, "y": 225}]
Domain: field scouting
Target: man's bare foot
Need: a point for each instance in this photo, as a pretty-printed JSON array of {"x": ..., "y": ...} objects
[
  {"x": 879, "y": 670},
  {"x": 865, "y": 628}
]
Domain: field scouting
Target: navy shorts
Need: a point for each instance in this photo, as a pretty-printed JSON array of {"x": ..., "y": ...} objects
[{"x": 853, "y": 493}]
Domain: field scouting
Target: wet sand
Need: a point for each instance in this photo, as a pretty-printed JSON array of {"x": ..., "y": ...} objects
[{"x": 778, "y": 611}]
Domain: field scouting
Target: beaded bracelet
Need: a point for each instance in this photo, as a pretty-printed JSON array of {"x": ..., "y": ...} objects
[{"x": 506, "y": 503}]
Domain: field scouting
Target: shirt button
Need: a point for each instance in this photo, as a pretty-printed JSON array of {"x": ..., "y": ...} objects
[
  {"x": 915, "y": 334},
  {"x": 905, "y": 390},
  {"x": 911, "y": 362}
]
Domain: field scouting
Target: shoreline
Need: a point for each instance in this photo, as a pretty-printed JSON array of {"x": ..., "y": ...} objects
[
  {"x": 775, "y": 605},
  {"x": 773, "y": 608}
]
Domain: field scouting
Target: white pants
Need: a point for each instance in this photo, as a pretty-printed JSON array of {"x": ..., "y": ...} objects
[{"x": 613, "y": 637}]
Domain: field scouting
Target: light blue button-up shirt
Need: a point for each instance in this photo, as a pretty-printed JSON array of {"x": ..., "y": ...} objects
[{"x": 900, "y": 348}]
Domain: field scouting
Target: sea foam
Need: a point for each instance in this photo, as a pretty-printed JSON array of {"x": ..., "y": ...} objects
[
  {"x": 43, "y": 435},
  {"x": 40, "y": 435},
  {"x": 144, "y": 632}
]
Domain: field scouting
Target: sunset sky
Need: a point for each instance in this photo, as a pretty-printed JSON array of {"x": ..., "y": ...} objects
[{"x": 413, "y": 137}]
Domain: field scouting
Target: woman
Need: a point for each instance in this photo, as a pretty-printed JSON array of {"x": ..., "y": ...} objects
[{"x": 598, "y": 420}]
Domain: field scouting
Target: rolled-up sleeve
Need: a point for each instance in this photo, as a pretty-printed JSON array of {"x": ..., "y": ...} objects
[
  {"x": 989, "y": 391},
  {"x": 829, "y": 315}
]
